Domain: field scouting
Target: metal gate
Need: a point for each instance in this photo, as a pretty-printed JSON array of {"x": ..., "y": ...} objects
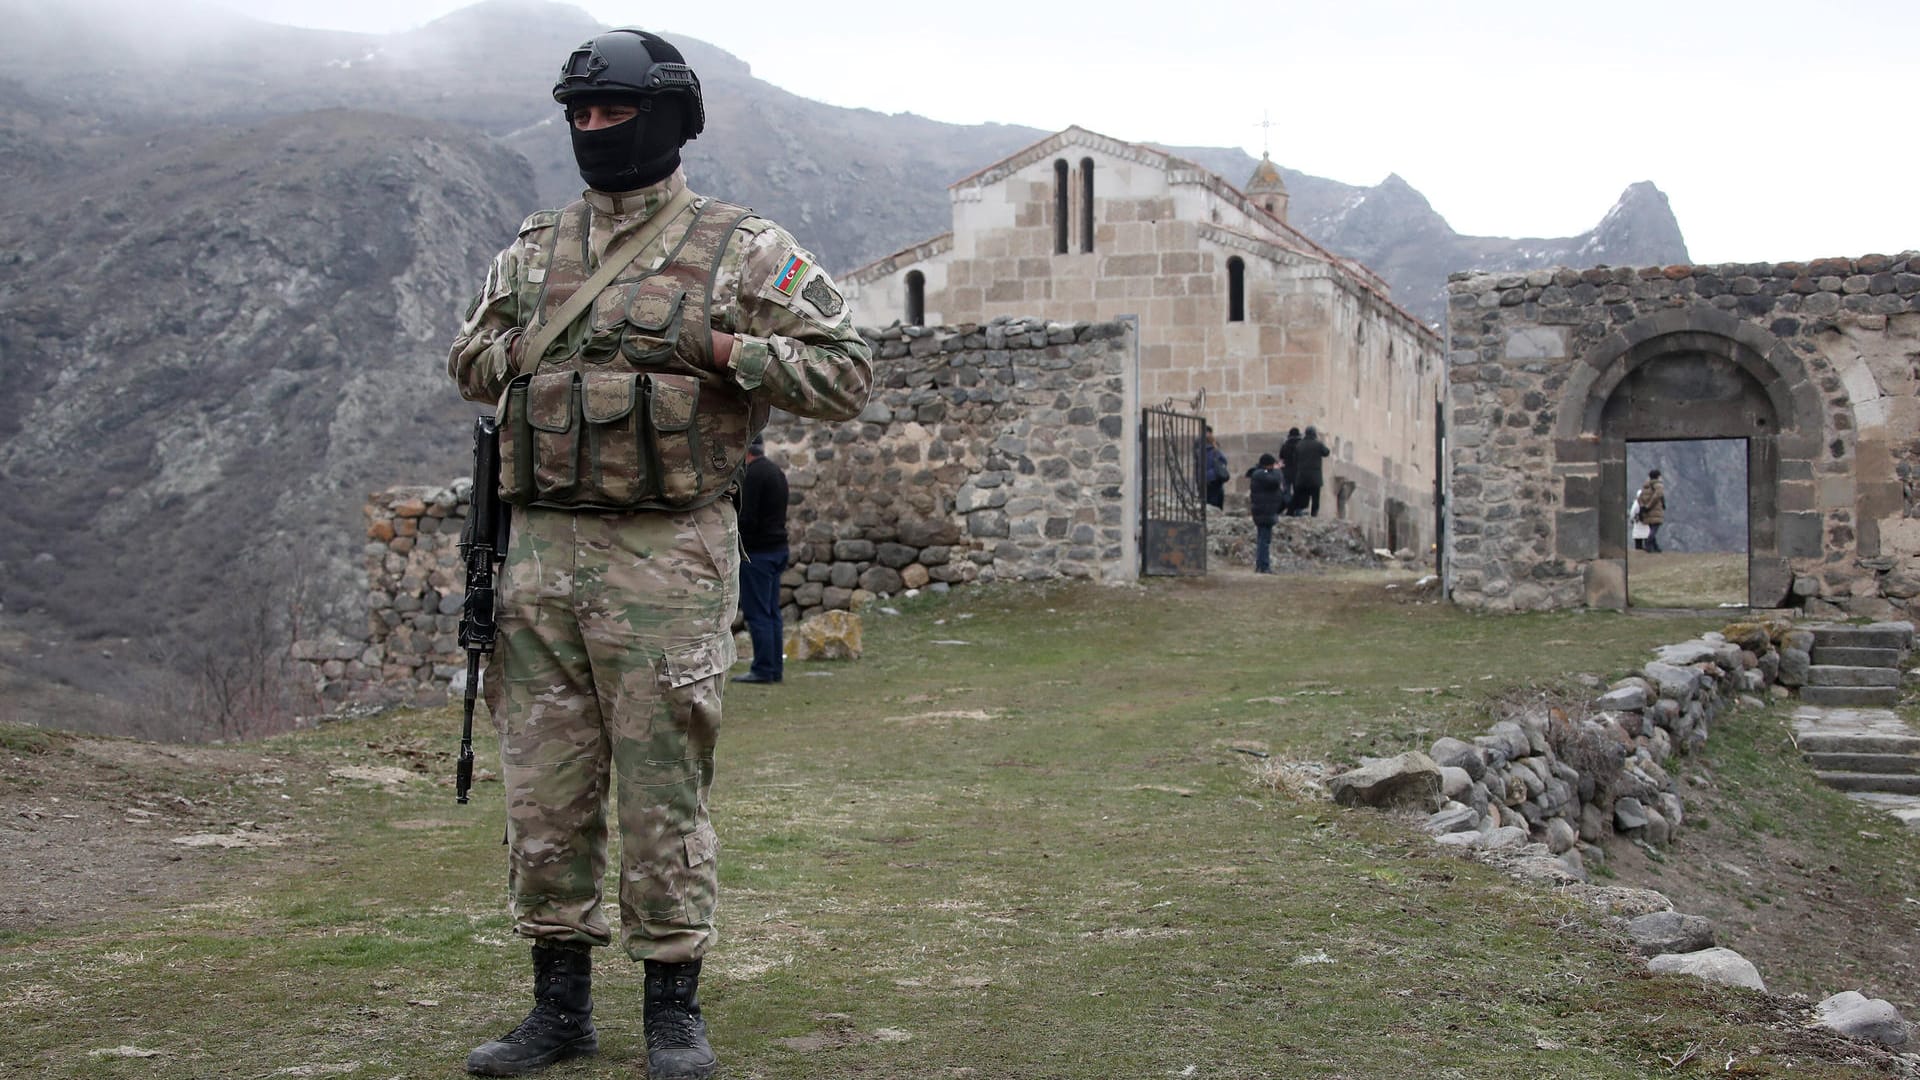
[{"x": 1173, "y": 492}]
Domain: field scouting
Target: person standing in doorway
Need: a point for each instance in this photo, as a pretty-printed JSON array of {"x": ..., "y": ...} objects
[
  {"x": 1268, "y": 503},
  {"x": 763, "y": 537},
  {"x": 1307, "y": 473},
  {"x": 1653, "y": 509}
]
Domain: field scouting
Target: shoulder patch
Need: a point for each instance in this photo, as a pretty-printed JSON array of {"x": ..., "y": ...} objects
[
  {"x": 539, "y": 219},
  {"x": 789, "y": 272},
  {"x": 822, "y": 295}
]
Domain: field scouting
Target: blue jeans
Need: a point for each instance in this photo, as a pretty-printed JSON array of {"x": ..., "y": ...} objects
[
  {"x": 760, "y": 602},
  {"x": 1262, "y": 545}
]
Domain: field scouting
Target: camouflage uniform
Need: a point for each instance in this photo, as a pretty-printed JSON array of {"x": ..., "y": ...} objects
[{"x": 615, "y": 625}]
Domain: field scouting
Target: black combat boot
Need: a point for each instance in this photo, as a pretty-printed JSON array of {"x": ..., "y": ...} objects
[
  {"x": 676, "y": 1036},
  {"x": 560, "y": 1025}
]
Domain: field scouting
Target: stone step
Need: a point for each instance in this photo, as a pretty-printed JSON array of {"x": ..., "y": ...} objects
[
  {"x": 1906, "y": 808},
  {"x": 1849, "y": 657},
  {"x": 1847, "y": 742},
  {"x": 1874, "y": 636},
  {"x": 1896, "y": 784},
  {"x": 1850, "y": 695},
  {"x": 1837, "y": 675},
  {"x": 1854, "y": 762}
]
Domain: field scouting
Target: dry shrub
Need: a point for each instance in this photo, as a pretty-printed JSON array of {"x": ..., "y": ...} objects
[{"x": 1291, "y": 778}]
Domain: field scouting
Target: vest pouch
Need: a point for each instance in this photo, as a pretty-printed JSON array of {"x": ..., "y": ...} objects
[
  {"x": 672, "y": 403},
  {"x": 540, "y": 444},
  {"x": 516, "y": 444},
  {"x": 653, "y": 322},
  {"x": 610, "y": 407}
]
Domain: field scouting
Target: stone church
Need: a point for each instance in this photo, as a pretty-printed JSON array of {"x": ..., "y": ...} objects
[{"x": 1242, "y": 318}]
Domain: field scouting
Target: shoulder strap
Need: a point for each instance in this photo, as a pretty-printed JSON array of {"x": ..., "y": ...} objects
[{"x": 610, "y": 267}]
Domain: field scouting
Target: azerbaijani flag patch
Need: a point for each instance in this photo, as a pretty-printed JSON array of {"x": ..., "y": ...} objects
[{"x": 791, "y": 272}]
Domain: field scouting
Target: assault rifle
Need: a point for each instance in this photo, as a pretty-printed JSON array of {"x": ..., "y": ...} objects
[{"x": 483, "y": 542}]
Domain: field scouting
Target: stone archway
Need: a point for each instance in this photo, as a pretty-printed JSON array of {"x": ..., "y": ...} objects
[{"x": 1690, "y": 373}]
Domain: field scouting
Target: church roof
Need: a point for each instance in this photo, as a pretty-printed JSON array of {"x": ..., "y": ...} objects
[{"x": 1266, "y": 177}]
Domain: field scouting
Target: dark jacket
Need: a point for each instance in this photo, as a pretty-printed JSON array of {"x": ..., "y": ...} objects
[
  {"x": 1265, "y": 495},
  {"x": 763, "y": 507},
  {"x": 1289, "y": 450},
  {"x": 1306, "y": 463}
]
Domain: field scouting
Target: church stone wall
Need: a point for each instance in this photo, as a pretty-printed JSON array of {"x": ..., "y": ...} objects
[
  {"x": 1544, "y": 368},
  {"x": 1317, "y": 346}
]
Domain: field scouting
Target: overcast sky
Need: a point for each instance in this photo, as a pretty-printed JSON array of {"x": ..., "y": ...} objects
[{"x": 1778, "y": 130}]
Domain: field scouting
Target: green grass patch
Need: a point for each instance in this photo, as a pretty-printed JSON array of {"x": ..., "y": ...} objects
[{"x": 1037, "y": 853}]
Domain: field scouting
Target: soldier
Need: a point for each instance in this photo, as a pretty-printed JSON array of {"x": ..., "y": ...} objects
[{"x": 624, "y": 417}]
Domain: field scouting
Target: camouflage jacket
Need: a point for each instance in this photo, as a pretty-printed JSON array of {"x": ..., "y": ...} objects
[{"x": 794, "y": 342}]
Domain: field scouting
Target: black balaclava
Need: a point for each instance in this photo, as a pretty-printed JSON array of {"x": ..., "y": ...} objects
[{"x": 638, "y": 153}]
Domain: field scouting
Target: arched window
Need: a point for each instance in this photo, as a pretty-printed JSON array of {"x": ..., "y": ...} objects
[
  {"x": 1236, "y": 290},
  {"x": 1086, "y": 204},
  {"x": 916, "y": 298},
  {"x": 1060, "y": 207}
]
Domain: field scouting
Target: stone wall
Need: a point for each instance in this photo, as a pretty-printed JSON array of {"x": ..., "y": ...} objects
[
  {"x": 987, "y": 452},
  {"x": 416, "y": 584},
  {"x": 1816, "y": 365},
  {"x": 996, "y": 452},
  {"x": 1569, "y": 778}
]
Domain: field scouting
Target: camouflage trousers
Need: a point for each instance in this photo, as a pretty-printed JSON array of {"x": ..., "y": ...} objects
[{"x": 614, "y": 645}]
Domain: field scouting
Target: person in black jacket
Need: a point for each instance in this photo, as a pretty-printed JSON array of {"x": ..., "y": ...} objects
[
  {"x": 1289, "y": 450},
  {"x": 1307, "y": 474},
  {"x": 1268, "y": 501},
  {"x": 763, "y": 537}
]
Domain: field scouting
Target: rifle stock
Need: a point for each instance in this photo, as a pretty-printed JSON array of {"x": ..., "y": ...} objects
[{"x": 483, "y": 542}]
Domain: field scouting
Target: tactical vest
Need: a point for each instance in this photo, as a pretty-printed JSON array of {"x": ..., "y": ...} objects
[{"x": 623, "y": 411}]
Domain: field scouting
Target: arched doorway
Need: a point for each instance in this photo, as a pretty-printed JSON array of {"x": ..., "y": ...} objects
[{"x": 1692, "y": 373}]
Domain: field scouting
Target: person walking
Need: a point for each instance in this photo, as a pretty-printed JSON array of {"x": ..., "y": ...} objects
[
  {"x": 1307, "y": 473},
  {"x": 1652, "y": 502},
  {"x": 763, "y": 539},
  {"x": 634, "y": 341},
  {"x": 1268, "y": 501}
]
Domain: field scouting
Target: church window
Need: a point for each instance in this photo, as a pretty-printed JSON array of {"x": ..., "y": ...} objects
[
  {"x": 1086, "y": 204},
  {"x": 916, "y": 298},
  {"x": 1060, "y": 207},
  {"x": 1236, "y": 290}
]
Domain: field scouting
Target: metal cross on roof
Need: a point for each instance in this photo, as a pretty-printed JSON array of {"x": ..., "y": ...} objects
[{"x": 1266, "y": 131}]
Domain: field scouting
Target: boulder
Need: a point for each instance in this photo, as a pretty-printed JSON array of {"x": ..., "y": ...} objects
[
  {"x": 1857, "y": 1016},
  {"x": 1714, "y": 965},
  {"x": 1560, "y": 836},
  {"x": 1674, "y": 681},
  {"x": 1629, "y": 814},
  {"x": 1453, "y": 819},
  {"x": 1624, "y": 699},
  {"x": 1452, "y": 753},
  {"x": 830, "y": 635},
  {"x": 1662, "y": 932},
  {"x": 1409, "y": 781},
  {"x": 1455, "y": 783}
]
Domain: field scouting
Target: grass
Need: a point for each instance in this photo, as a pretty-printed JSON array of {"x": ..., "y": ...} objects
[
  {"x": 1685, "y": 579},
  {"x": 1035, "y": 854}
]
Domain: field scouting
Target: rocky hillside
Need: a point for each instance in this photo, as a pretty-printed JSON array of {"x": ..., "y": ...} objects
[{"x": 220, "y": 339}]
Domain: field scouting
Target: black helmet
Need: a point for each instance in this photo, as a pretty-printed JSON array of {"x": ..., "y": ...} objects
[{"x": 629, "y": 62}]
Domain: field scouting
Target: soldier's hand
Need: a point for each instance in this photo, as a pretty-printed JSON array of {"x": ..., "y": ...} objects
[{"x": 722, "y": 350}]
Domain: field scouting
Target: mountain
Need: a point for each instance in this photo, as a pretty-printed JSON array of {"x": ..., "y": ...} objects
[
  {"x": 1394, "y": 230},
  {"x": 235, "y": 253},
  {"x": 216, "y": 341}
]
